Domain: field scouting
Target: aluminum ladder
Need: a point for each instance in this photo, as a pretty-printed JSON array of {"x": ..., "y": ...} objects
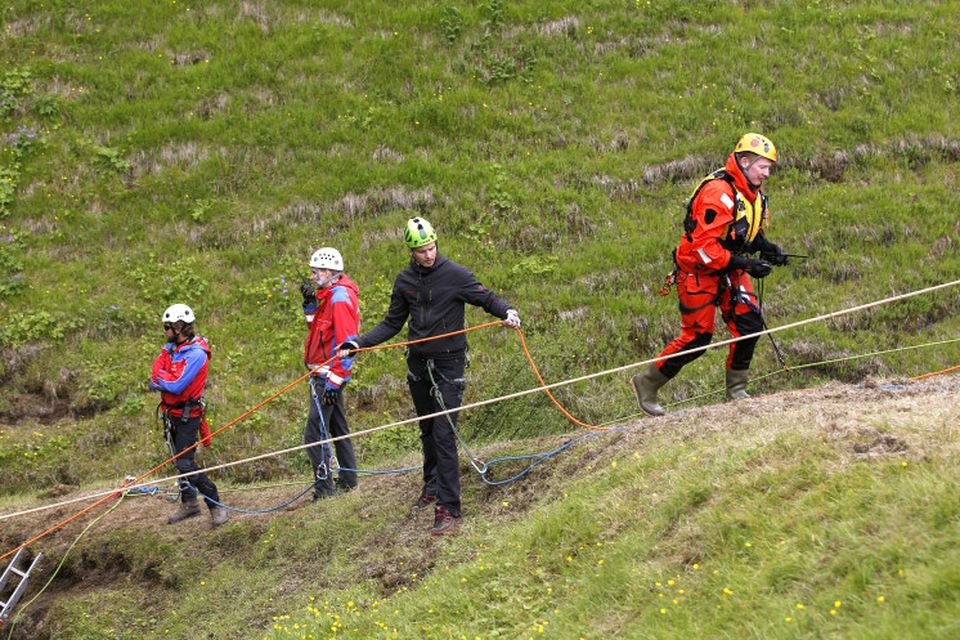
[{"x": 6, "y": 607}]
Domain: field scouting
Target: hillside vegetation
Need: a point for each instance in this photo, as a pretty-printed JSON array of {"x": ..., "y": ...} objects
[
  {"x": 179, "y": 151},
  {"x": 826, "y": 513}
]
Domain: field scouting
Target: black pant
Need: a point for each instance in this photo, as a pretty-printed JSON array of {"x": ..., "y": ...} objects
[
  {"x": 334, "y": 418},
  {"x": 441, "y": 467},
  {"x": 182, "y": 435}
]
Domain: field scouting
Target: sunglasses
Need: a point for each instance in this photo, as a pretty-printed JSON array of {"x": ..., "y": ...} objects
[{"x": 167, "y": 326}]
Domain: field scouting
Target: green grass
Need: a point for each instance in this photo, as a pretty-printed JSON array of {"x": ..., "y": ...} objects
[
  {"x": 819, "y": 514},
  {"x": 199, "y": 152}
]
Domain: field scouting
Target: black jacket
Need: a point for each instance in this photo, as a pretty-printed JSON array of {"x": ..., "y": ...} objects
[{"x": 433, "y": 299}]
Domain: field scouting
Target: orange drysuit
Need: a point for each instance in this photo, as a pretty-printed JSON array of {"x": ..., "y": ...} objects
[{"x": 724, "y": 223}]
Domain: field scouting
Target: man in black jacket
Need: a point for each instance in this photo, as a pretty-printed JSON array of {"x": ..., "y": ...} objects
[{"x": 431, "y": 292}]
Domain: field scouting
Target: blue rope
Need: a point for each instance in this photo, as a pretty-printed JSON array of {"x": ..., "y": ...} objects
[
  {"x": 149, "y": 491},
  {"x": 374, "y": 472},
  {"x": 305, "y": 491},
  {"x": 892, "y": 387},
  {"x": 262, "y": 511},
  {"x": 539, "y": 458}
]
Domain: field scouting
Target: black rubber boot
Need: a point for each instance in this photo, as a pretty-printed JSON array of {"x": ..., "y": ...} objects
[
  {"x": 645, "y": 386},
  {"x": 737, "y": 384}
]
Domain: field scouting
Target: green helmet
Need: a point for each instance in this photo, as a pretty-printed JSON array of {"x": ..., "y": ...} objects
[{"x": 418, "y": 233}]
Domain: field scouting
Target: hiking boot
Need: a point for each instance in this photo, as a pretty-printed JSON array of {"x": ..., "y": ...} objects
[
  {"x": 645, "y": 386},
  {"x": 737, "y": 384},
  {"x": 425, "y": 500},
  {"x": 188, "y": 509},
  {"x": 444, "y": 522},
  {"x": 322, "y": 495},
  {"x": 219, "y": 515}
]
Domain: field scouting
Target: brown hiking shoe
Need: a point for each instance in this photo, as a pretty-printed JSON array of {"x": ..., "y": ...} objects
[
  {"x": 424, "y": 500},
  {"x": 444, "y": 522},
  {"x": 188, "y": 509},
  {"x": 219, "y": 516}
]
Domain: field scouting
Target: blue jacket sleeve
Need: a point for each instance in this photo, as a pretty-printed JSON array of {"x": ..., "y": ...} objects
[{"x": 193, "y": 361}]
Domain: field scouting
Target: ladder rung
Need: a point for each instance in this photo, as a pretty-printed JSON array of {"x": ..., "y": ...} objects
[{"x": 22, "y": 574}]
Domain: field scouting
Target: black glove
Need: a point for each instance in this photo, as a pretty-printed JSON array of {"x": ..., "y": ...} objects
[
  {"x": 308, "y": 292},
  {"x": 349, "y": 345},
  {"x": 756, "y": 268},
  {"x": 759, "y": 268},
  {"x": 773, "y": 254},
  {"x": 330, "y": 396}
]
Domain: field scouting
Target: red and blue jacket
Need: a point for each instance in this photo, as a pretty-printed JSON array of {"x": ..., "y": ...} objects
[
  {"x": 180, "y": 375},
  {"x": 332, "y": 320}
]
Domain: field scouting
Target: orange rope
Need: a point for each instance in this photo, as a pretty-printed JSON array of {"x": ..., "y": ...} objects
[
  {"x": 936, "y": 373},
  {"x": 559, "y": 406}
]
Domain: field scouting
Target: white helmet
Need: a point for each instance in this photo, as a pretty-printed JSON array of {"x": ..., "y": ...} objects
[
  {"x": 327, "y": 258},
  {"x": 179, "y": 313}
]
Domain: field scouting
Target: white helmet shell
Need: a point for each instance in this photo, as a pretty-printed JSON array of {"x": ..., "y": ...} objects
[
  {"x": 179, "y": 313},
  {"x": 327, "y": 258}
]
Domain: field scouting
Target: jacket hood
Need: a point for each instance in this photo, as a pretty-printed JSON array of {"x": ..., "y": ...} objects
[
  {"x": 344, "y": 282},
  {"x": 198, "y": 342},
  {"x": 740, "y": 180},
  {"x": 347, "y": 283}
]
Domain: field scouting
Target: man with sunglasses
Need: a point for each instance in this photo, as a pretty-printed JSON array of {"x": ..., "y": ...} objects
[{"x": 180, "y": 375}]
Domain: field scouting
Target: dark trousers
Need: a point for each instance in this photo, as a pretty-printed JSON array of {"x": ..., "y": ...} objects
[
  {"x": 181, "y": 435},
  {"x": 441, "y": 467},
  {"x": 323, "y": 422}
]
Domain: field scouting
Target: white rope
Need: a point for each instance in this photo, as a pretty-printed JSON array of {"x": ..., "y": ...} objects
[{"x": 481, "y": 403}]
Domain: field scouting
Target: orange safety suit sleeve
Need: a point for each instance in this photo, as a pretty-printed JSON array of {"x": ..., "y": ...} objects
[{"x": 713, "y": 211}]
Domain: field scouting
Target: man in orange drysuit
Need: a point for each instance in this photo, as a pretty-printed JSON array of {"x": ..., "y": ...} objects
[{"x": 723, "y": 226}]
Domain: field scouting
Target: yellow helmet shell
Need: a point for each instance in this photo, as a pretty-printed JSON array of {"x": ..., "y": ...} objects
[
  {"x": 758, "y": 144},
  {"x": 418, "y": 233}
]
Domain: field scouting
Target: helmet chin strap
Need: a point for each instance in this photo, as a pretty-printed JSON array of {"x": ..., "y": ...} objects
[
  {"x": 746, "y": 170},
  {"x": 323, "y": 284},
  {"x": 178, "y": 338}
]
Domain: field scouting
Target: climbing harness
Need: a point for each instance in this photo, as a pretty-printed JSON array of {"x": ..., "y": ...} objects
[
  {"x": 475, "y": 460},
  {"x": 326, "y": 467}
]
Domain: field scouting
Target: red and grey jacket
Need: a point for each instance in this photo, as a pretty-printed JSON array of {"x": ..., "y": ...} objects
[
  {"x": 332, "y": 320},
  {"x": 725, "y": 217},
  {"x": 180, "y": 374}
]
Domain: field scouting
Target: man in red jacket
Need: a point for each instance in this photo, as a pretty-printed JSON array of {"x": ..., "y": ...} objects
[
  {"x": 332, "y": 311},
  {"x": 724, "y": 225},
  {"x": 180, "y": 375}
]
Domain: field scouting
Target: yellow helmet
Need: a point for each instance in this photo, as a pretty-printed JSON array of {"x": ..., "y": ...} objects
[
  {"x": 418, "y": 233},
  {"x": 758, "y": 144}
]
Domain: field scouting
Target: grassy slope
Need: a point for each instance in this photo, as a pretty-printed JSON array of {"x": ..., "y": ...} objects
[
  {"x": 818, "y": 513},
  {"x": 201, "y": 155},
  {"x": 200, "y": 152}
]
